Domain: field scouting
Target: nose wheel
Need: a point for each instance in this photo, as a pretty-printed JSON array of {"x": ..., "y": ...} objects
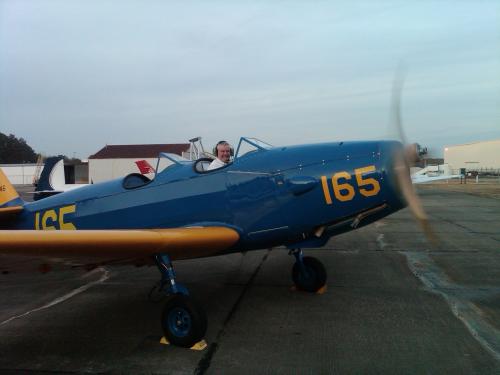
[
  {"x": 183, "y": 321},
  {"x": 308, "y": 273}
]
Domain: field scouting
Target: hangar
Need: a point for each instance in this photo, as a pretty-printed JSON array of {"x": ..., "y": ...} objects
[
  {"x": 29, "y": 173},
  {"x": 114, "y": 161},
  {"x": 476, "y": 156},
  {"x": 21, "y": 174}
]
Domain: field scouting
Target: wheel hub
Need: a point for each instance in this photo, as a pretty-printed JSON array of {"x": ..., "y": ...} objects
[{"x": 179, "y": 322}]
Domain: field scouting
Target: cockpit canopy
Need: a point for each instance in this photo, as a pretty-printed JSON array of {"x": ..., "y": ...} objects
[{"x": 246, "y": 145}]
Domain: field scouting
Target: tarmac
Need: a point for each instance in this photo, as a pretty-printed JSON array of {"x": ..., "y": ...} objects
[{"x": 394, "y": 304}]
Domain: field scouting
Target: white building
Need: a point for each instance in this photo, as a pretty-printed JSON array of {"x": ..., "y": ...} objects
[
  {"x": 114, "y": 161},
  {"x": 474, "y": 156},
  {"x": 21, "y": 174}
]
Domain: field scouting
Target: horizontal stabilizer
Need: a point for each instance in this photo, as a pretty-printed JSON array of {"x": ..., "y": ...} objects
[
  {"x": 7, "y": 212},
  {"x": 11, "y": 210}
]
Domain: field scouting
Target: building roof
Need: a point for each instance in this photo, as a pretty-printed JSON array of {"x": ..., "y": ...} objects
[
  {"x": 473, "y": 143},
  {"x": 138, "y": 151}
]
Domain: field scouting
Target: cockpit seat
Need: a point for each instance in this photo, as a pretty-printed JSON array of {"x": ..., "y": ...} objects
[{"x": 201, "y": 165}]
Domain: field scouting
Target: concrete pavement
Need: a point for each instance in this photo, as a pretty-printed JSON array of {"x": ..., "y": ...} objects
[{"x": 394, "y": 304}]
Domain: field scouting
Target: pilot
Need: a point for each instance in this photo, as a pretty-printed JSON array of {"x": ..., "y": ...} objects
[{"x": 222, "y": 151}]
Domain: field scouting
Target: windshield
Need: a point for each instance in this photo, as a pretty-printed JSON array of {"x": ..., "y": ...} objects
[
  {"x": 166, "y": 160},
  {"x": 247, "y": 145}
]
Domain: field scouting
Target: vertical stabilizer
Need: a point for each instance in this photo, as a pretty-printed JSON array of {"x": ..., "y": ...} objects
[
  {"x": 54, "y": 167},
  {"x": 8, "y": 195}
]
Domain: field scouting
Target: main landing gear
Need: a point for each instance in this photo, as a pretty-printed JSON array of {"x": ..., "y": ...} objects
[
  {"x": 308, "y": 273},
  {"x": 183, "y": 321}
]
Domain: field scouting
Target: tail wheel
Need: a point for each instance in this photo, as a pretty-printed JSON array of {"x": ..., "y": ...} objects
[
  {"x": 311, "y": 277},
  {"x": 184, "y": 323}
]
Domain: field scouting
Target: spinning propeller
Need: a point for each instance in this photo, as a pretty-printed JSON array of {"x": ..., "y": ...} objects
[{"x": 405, "y": 157}]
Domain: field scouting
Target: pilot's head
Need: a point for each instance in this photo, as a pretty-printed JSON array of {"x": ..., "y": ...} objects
[{"x": 223, "y": 151}]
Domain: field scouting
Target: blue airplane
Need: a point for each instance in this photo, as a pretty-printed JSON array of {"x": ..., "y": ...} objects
[{"x": 296, "y": 196}]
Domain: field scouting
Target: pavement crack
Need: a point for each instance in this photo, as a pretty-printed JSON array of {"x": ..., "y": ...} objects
[
  {"x": 467, "y": 229},
  {"x": 436, "y": 281},
  {"x": 206, "y": 360},
  {"x": 65, "y": 297}
]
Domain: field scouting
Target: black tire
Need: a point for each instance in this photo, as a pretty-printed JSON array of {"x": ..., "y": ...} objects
[
  {"x": 184, "y": 323},
  {"x": 314, "y": 277}
]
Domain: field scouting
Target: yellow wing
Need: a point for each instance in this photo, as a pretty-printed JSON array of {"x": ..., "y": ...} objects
[{"x": 178, "y": 243}]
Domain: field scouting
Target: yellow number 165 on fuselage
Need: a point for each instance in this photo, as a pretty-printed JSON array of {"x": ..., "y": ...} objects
[
  {"x": 54, "y": 219},
  {"x": 344, "y": 191}
]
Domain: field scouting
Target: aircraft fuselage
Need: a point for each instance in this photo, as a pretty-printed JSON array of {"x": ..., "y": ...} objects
[{"x": 297, "y": 196}]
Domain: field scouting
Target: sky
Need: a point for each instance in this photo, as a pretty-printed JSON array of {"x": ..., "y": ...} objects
[{"x": 78, "y": 75}]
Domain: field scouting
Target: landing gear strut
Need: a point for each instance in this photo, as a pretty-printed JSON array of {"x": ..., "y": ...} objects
[
  {"x": 308, "y": 273},
  {"x": 183, "y": 322}
]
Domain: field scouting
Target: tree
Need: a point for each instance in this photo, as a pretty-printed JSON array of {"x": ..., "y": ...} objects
[
  {"x": 70, "y": 161},
  {"x": 15, "y": 150}
]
